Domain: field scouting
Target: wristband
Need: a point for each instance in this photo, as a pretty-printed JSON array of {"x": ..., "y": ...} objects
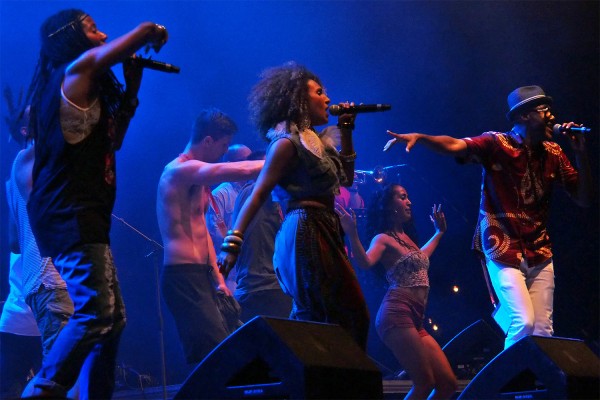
[
  {"x": 233, "y": 239},
  {"x": 346, "y": 125}
]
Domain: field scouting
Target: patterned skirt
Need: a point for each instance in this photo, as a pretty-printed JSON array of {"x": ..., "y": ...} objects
[{"x": 312, "y": 266}]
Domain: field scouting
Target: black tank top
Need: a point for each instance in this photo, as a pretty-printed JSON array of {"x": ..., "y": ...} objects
[{"x": 74, "y": 185}]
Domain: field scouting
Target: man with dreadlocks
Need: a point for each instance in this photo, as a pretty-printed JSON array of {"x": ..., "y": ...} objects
[{"x": 79, "y": 115}]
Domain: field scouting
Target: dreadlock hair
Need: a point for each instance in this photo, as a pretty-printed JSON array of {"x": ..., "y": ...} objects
[
  {"x": 18, "y": 116},
  {"x": 281, "y": 95},
  {"x": 378, "y": 214},
  {"x": 214, "y": 123},
  {"x": 62, "y": 41}
]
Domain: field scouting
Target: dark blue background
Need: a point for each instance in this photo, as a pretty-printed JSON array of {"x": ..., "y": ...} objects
[{"x": 446, "y": 68}]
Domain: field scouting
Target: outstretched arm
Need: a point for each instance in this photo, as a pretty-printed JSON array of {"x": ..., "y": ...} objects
[
  {"x": 446, "y": 145},
  {"x": 194, "y": 172},
  {"x": 439, "y": 223}
]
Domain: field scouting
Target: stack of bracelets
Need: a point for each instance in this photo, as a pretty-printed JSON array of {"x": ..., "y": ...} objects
[{"x": 232, "y": 243}]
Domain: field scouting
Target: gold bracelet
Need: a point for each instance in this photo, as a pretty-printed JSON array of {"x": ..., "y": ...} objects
[
  {"x": 233, "y": 239},
  {"x": 235, "y": 232},
  {"x": 229, "y": 247}
]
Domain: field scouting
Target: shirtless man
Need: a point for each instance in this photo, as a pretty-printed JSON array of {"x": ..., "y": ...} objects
[{"x": 190, "y": 278}]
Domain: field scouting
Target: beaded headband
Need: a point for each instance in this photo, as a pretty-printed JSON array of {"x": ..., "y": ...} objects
[{"x": 68, "y": 25}]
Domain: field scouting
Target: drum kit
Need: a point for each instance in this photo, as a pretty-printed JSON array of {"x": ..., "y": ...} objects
[{"x": 379, "y": 175}]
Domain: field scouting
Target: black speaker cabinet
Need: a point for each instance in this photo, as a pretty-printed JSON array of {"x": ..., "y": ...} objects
[
  {"x": 472, "y": 349},
  {"x": 539, "y": 368},
  {"x": 272, "y": 358}
]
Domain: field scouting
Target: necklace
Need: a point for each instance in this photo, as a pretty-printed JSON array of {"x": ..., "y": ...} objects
[
  {"x": 311, "y": 141},
  {"x": 400, "y": 241}
]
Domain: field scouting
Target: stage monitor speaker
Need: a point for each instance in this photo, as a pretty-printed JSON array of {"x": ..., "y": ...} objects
[
  {"x": 272, "y": 358},
  {"x": 471, "y": 350},
  {"x": 539, "y": 367}
]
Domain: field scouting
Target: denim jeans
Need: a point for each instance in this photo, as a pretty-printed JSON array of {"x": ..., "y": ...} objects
[
  {"x": 89, "y": 341},
  {"x": 52, "y": 309},
  {"x": 528, "y": 294}
]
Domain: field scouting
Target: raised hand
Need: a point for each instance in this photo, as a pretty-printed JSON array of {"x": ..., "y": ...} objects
[
  {"x": 347, "y": 219},
  {"x": 132, "y": 72},
  {"x": 346, "y": 119},
  {"x": 576, "y": 139},
  {"x": 438, "y": 219},
  {"x": 161, "y": 37}
]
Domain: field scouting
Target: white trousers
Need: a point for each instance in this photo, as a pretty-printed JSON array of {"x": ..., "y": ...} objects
[{"x": 526, "y": 294}]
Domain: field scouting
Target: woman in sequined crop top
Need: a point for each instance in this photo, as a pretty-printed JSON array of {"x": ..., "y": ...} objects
[
  {"x": 400, "y": 318},
  {"x": 310, "y": 262}
]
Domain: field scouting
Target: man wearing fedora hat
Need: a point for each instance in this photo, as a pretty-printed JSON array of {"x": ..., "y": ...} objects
[{"x": 520, "y": 168}]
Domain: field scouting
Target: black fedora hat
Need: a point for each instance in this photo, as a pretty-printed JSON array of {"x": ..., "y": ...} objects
[{"x": 526, "y": 97}]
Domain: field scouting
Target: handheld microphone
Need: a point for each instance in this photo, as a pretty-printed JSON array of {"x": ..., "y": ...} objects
[
  {"x": 155, "y": 65},
  {"x": 360, "y": 108},
  {"x": 558, "y": 129}
]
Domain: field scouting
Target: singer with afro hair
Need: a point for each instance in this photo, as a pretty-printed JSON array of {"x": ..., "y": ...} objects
[{"x": 310, "y": 259}]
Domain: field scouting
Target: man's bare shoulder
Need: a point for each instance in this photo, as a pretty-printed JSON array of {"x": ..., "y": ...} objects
[
  {"x": 179, "y": 170},
  {"x": 183, "y": 180}
]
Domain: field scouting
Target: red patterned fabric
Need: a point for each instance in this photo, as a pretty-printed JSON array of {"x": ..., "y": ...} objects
[{"x": 515, "y": 198}]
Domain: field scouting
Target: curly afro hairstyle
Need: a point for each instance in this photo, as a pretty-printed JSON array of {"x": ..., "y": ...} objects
[{"x": 281, "y": 95}]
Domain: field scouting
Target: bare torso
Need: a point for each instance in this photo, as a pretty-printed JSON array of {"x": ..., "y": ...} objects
[{"x": 181, "y": 207}]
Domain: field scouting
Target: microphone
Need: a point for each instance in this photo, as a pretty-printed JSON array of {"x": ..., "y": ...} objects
[
  {"x": 155, "y": 65},
  {"x": 558, "y": 129},
  {"x": 360, "y": 108}
]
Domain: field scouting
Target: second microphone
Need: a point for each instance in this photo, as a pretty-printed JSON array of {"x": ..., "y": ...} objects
[
  {"x": 155, "y": 65},
  {"x": 360, "y": 108}
]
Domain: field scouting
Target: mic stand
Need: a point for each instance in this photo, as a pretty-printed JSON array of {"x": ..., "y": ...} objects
[{"x": 156, "y": 247}]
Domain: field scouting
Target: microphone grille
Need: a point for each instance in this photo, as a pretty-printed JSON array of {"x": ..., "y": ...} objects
[
  {"x": 334, "y": 109},
  {"x": 556, "y": 129}
]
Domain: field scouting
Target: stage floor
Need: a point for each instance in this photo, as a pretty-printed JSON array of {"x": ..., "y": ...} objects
[{"x": 392, "y": 389}]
